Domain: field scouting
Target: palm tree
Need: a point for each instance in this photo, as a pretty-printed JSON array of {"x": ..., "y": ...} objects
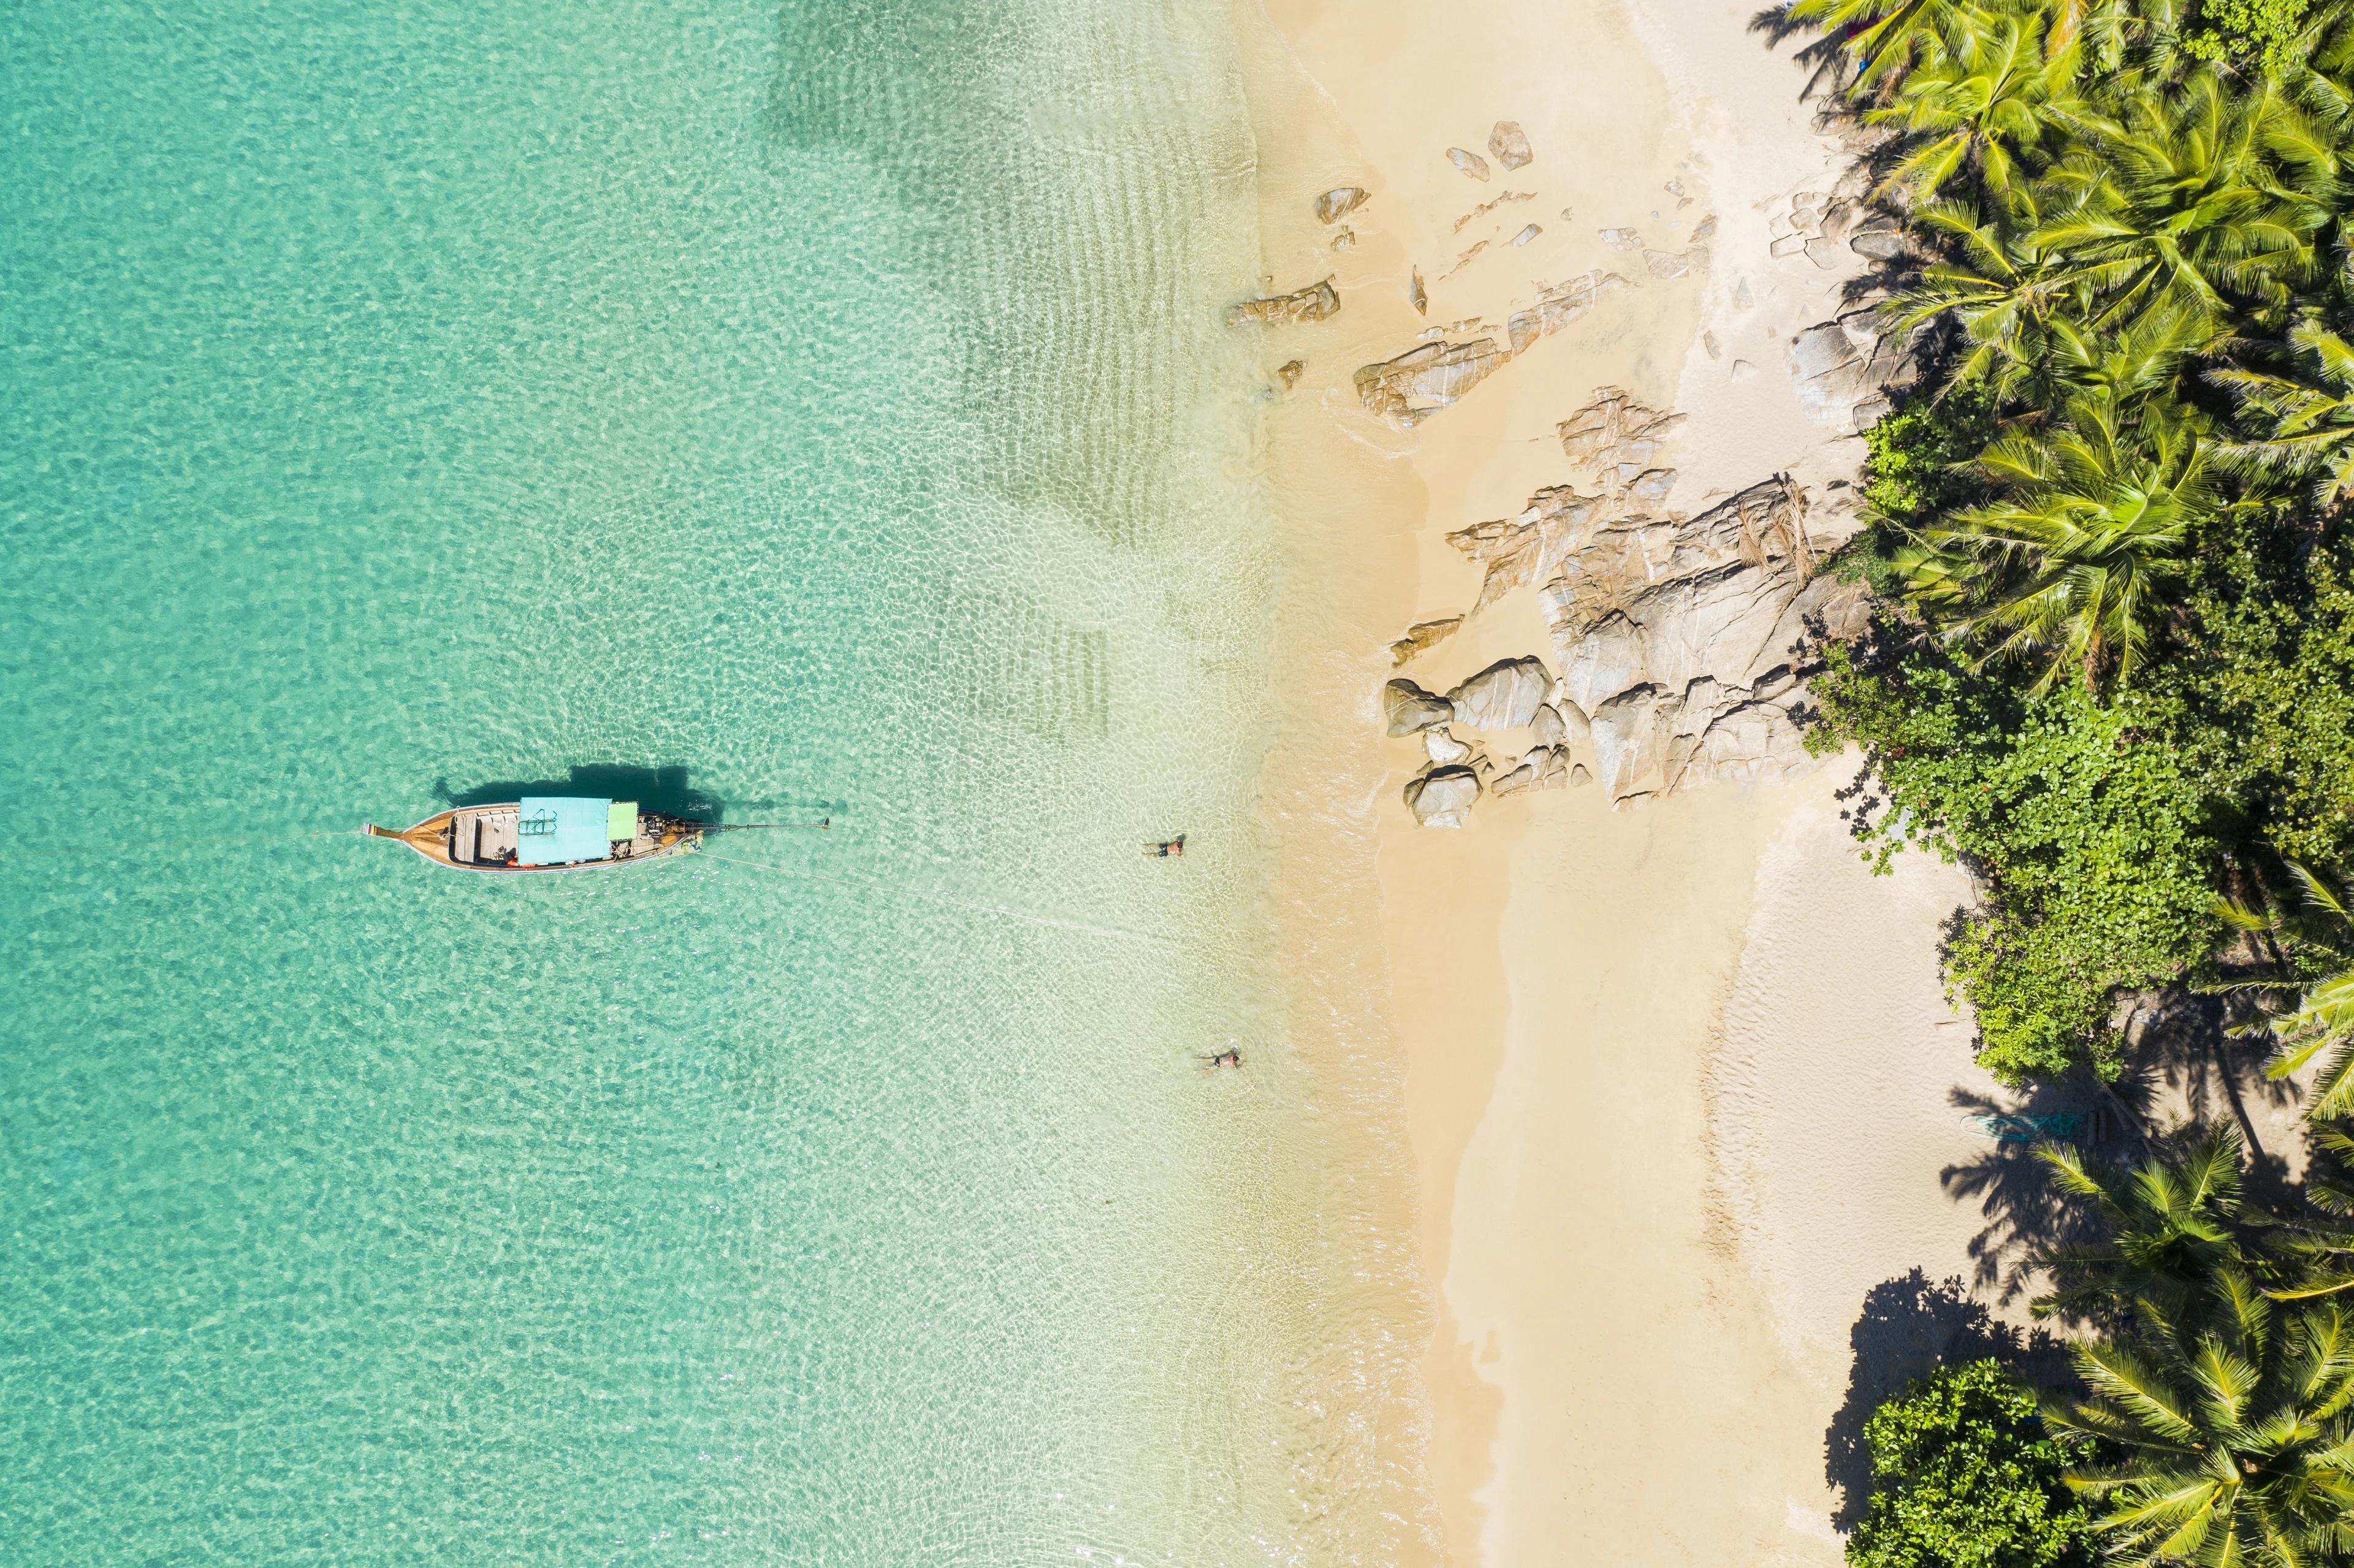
[
  {"x": 2208, "y": 195},
  {"x": 2236, "y": 1443},
  {"x": 2312, "y": 930},
  {"x": 1996, "y": 280},
  {"x": 1887, "y": 38},
  {"x": 2073, "y": 567},
  {"x": 1975, "y": 105},
  {"x": 2196, "y": 203},
  {"x": 2320, "y": 1246},
  {"x": 2173, "y": 1222},
  {"x": 2307, "y": 417}
]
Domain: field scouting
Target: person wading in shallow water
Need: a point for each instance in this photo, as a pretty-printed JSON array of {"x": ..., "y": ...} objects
[
  {"x": 1222, "y": 1059},
  {"x": 1175, "y": 846}
]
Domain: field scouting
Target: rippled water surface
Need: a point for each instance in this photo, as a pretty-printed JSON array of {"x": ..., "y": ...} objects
[{"x": 826, "y": 407}]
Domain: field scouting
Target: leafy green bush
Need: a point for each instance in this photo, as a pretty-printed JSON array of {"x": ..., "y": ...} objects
[
  {"x": 1963, "y": 1476},
  {"x": 2093, "y": 841},
  {"x": 1918, "y": 466},
  {"x": 2266, "y": 670},
  {"x": 1920, "y": 454}
]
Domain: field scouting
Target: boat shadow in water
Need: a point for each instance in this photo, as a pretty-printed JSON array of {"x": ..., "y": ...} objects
[{"x": 665, "y": 790}]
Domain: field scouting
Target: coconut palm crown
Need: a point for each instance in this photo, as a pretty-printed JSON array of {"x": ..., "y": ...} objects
[
  {"x": 2075, "y": 568},
  {"x": 2232, "y": 1437}
]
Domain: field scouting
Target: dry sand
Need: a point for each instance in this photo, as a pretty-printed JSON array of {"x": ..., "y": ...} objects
[{"x": 1678, "y": 1089}]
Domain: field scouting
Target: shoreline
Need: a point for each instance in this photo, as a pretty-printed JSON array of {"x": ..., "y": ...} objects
[{"x": 1661, "y": 1157}]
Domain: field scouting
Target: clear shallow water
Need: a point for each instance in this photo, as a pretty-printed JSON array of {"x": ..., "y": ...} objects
[{"x": 828, "y": 402}]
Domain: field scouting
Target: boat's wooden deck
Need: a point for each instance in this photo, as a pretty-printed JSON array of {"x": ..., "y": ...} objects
[{"x": 483, "y": 837}]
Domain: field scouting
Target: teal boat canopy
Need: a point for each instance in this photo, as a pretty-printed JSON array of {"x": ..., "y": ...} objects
[{"x": 559, "y": 828}]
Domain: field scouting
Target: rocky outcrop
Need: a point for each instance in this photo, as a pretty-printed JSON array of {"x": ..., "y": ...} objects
[
  {"x": 1337, "y": 203},
  {"x": 1425, "y": 378},
  {"x": 1423, "y": 635},
  {"x": 1472, "y": 163},
  {"x": 1504, "y": 695},
  {"x": 1508, "y": 146},
  {"x": 1442, "y": 747},
  {"x": 1544, "y": 768},
  {"x": 1409, "y": 708},
  {"x": 1676, "y": 635},
  {"x": 1290, "y": 372},
  {"x": 1843, "y": 369},
  {"x": 1441, "y": 797},
  {"x": 1615, "y": 435},
  {"x": 1312, "y": 303},
  {"x": 1418, "y": 294}
]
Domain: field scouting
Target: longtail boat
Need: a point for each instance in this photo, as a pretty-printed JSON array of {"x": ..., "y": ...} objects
[{"x": 548, "y": 832}]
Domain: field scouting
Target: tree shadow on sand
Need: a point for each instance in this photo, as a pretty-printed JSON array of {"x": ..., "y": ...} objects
[{"x": 1910, "y": 1327}]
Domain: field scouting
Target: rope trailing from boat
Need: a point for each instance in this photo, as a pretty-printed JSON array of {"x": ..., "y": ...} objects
[{"x": 944, "y": 898}]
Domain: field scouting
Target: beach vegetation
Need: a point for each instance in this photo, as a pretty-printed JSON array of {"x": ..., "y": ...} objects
[
  {"x": 2113, "y": 672},
  {"x": 2216, "y": 1424},
  {"x": 1964, "y": 1475}
]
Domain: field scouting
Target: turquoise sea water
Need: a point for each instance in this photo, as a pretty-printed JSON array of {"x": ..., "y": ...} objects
[{"x": 828, "y": 402}]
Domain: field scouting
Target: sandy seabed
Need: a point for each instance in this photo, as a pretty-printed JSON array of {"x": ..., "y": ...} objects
[{"x": 1674, "y": 1101}]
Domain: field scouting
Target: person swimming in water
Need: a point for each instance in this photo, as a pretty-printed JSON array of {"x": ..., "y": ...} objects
[{"x": 1175, "y": 846}]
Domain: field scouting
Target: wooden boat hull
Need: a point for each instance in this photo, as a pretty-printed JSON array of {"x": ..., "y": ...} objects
[{"x": 481, "y": 838}]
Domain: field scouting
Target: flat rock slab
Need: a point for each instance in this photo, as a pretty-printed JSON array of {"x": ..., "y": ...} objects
[
  {"x": 1472, "y": 163},
  {"x": 1424, "y": 379},
  {"x": 1312, "y": 303}
]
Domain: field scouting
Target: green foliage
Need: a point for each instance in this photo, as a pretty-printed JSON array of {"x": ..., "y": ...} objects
[
  {"x": 2259, "y": 34},
  {"x": 2126, "y": 476},
  {"x": 2232, "y": 1438},
  {"x": 2266, "y": 669},
  {"x": 1921, "y": 453},
  {"x": 1963, "y": 1476},
  {"x": 2074, "y": 564},
  {"x": 2092, "y": 841}
]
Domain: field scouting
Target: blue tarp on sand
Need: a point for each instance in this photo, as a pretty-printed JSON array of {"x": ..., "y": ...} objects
[{"x": 560, "y": 827}]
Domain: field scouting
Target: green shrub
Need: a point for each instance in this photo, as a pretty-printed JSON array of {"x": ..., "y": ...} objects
[
  {"x": 1921, "y": 453},
  {"x": 2093, "y": 840},
  {"x": 1963, "y": 1476},
  {"x": 2266, "y": 667}
]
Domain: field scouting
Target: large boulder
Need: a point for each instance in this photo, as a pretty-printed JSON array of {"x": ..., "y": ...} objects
[
  {"x": 1508, "y": 146},
  {"x": 1504, "y": 695},
  {"x": 1441, "y": 797},
  {"x": 1840, "y": 369},
  {"x": 1410, "y": 708}
]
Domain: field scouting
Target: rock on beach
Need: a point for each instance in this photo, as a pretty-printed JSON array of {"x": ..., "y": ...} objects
[
  {"x": 1337, "y": 203},
  {"x": 1504, "y": 695},
  {"x": 1409, "y": 708},
  {"x": 1441, "y": 797}
]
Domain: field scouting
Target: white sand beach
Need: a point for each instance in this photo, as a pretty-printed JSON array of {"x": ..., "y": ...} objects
[{"x": 1668, "y": 1097}]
